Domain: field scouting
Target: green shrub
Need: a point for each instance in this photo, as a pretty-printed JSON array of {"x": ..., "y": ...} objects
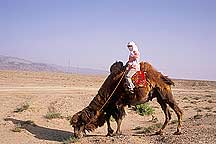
[
  {"x": 22, "y": 108},
  {"x": 52, "y": 112},
  {"x": 144, "y": 109},
  {"x": 151, "y": 128},
  {"x": 16, "y": 129},
  {"x": 71, "y": 139},
  {"x": 53, "y": 115}
]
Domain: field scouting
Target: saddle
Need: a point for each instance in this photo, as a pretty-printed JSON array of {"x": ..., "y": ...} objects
[{"x": 139, "y": 79}]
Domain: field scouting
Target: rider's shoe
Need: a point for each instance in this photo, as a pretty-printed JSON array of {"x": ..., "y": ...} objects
[{"x": 129, "y": 91}]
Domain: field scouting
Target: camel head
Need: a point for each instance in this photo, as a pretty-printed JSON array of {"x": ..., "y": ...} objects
[
  {"x": 116, "y": 67},
  {"x": 78, "y": 124}
]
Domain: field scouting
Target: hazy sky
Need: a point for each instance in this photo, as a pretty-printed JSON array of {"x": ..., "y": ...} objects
[{"x": 177, "y": 36}]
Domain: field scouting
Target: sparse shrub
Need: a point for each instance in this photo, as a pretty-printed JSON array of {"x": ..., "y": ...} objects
[
  {"x": 68, "y": 118},
  {"x": 187, "y": 106},
  {"x": 17, "y": 128},
  {"x": 208, "y": 91},
  {"x": 52, "y": 115},
  {"x": 151, "y": 128},
  {"x": 144, "y": 109},
  {"x": 199, "y": 83},
  {"x": 198, "y": 116},
  {"x": 196, "y": 98},
  {"x": 208, "y": 114},
  {"x": 208, "y": 96},
  {"x": 29, "y": 122},
  {"x": 185, "y": 98},
  {"x": 137, "y": 128},
  {"x": 208, "y": 108},
  {"x": 71, "y": 139},
  {"x": 147, "y": 130},
  {"x": 210, "y": 101},
  {"x": 193, "y": 102},
  {"x": 198, "y": 110},
  {"x": 158, "y": 125},
  {"x": 154, "y": 119},
  {"x": 22, "y": 108}
]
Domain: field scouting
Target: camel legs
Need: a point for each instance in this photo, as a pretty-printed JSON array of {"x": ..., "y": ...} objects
[
  {"x": 169, "y": 99},
  {"x": 118, "y": 116},
  {"x": 109, "y": 129},
  {"x": 78, "y": 132},
  {"x": 118, "y": 121},
  {"x": 166, "y": 112},
  {"x": 179, "y": 114}
]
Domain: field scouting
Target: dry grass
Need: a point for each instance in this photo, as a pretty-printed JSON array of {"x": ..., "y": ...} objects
[
  {"x": 52, "y": 113},
  {"x": 22, "y": 108},
  {"x": 54, "y": 95},
  {"x": 70, "y": 140}
]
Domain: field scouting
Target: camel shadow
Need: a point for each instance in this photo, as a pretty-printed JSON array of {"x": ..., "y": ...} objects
[{"x": 42, "y": 132}]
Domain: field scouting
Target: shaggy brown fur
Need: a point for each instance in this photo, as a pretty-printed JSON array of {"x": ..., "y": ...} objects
[
  {"x": 154, "y": 76},
  {"x": 158, "y": 86},
  {"x": 95, "y": 114}
]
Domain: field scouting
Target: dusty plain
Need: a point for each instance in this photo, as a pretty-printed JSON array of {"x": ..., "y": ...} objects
[{"x": 43, "y": 93}]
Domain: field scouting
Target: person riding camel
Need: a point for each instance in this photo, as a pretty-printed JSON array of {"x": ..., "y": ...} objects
[{"x": 132, "y": 65}]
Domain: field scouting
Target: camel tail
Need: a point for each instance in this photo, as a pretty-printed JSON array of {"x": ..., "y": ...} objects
[{"x": 167, "y": 80}]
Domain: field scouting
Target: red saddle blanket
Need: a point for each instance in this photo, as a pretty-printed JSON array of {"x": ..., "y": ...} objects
[{"x": 139, "y": 79}]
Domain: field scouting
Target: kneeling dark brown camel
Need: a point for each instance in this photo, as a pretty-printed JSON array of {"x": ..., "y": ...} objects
[{"x": 101, "y": 107}]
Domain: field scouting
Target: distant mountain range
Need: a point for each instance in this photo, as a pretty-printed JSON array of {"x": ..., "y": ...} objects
[{"x": 13, "y": 63}]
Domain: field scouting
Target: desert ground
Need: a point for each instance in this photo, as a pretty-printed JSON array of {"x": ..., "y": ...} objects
[{"x": 35, "y": 108}]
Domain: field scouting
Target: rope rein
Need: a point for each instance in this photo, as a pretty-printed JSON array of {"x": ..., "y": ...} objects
[
  {"x": 108, "y": 98},
  {"x": 113, "y": 92}
]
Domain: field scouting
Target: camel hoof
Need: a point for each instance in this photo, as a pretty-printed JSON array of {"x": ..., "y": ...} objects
[
  {"x": 117, "y": 134},
  {"x": 111, "y": 131},
  {"x": 109, "y": 135},
  {"x": 177, "y": 133},
  {"x": 160, "y": 132}
]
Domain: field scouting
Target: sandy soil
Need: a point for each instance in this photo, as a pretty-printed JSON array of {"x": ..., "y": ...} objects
[{"x": 65, "y": 94}]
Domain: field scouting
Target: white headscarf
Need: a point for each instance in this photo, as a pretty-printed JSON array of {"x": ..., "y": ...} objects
[{"x": 134, "y": 46}]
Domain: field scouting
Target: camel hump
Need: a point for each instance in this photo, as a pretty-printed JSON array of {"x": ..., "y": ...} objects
[
  {"x": 167, "y": 80},
  {"x": 152, "y": 73}
]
